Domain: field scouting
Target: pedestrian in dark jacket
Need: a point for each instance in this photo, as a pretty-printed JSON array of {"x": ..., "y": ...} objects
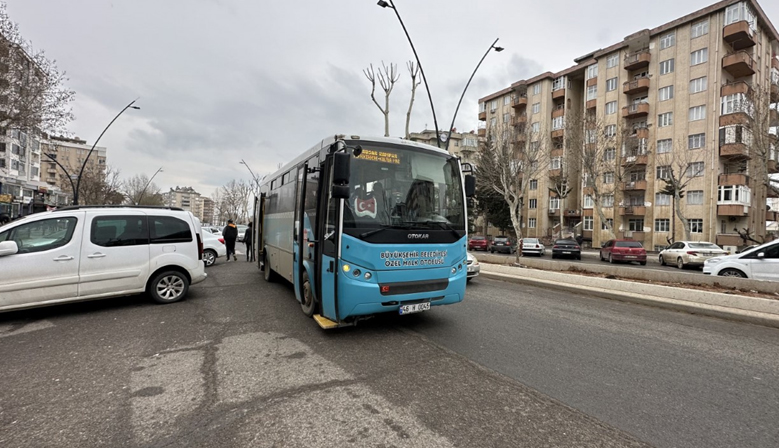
[
  {"x": 248, "y": 240},
  {"x": 230, "y": 234}
]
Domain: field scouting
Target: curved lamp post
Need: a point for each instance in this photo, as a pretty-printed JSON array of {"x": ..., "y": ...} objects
[
  {"x": 384, "y": 4},
  {"x": 451, "y": 126},
  {"x": 86, "y": 159},
  {"x": 147, "y": 186},
  {"x": 256, "y": 182}
]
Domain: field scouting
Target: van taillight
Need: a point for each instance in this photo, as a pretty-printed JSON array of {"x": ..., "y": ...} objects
[{"x": 199, "y": 247}]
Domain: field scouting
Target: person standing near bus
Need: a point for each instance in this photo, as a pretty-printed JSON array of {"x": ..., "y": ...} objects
[
  {"x": 247, "y": 239},
  {"x": 230, "y": 234}
]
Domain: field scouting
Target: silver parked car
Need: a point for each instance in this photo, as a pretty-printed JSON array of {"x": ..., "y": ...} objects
[
  {"x": 759, "y": 263},
  {"x": 690, "y": 253}
]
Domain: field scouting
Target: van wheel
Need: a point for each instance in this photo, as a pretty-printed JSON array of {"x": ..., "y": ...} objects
[
  {"x": 209, "y": 257},
  {"x": 169, "y": 287},
  {"x": 309, "y": 302}
]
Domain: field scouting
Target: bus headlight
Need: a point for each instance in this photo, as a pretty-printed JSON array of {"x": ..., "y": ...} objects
[
  {"x": 347, "y": 268},
  {"x": 454, "y": 270},
  {"x": 368, "y": 276}
]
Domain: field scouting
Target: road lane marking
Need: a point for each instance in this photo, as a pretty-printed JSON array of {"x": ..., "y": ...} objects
[{"x": 8, "y": 330}]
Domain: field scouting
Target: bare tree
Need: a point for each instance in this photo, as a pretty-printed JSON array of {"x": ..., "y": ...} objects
[
  {"x": 139, "y": 191},
  {"x": 413, "y": 71},
  {"x": 387, "y": 77},
  {"x": 564, "y": 153},
  {"x": 761, "y": 140},
  {"x": 513, "y": 156},
  {"x": 677, "y": 169},
  {"x": 98, "y": 186},
  {"x": 231, "y": 201},
  {"x": 32, "y": 95}
]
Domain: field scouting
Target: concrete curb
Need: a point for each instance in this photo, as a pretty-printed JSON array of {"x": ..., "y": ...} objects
[{"x": 757, "y": 311}]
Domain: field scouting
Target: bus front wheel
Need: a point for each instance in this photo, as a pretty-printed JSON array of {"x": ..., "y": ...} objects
[{"x": 309, "y": 302}]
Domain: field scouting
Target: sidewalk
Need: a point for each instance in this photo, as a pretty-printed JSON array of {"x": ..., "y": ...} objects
[{"x": 727, "y": 306}]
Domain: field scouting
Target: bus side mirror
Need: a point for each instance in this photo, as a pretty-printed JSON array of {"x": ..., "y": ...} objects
[
  {"x": 470, "y": 186},
  {"x": 341, "y": 172}
]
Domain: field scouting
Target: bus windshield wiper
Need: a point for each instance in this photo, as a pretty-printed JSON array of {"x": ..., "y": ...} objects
[
  {"x": 381, "y": 229},
  {"x": 444, "y": 225}
]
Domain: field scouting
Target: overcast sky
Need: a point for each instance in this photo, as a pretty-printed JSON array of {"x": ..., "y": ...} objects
[{"x": 263, "y": 80}]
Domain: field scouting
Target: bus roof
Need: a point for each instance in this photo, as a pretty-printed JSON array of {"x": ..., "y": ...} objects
[{"x": 325, "y": 143}]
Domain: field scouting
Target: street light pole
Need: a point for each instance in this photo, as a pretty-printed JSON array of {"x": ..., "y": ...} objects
[
  {"x": 256, "y": 182},
  {"x": 147, "y": 186},
  {"x": 391, "y": 4},
  {"x": 451, "y": 126},
  {"x": 67, "y": 173},
  {"x": 83, "y": 165}
]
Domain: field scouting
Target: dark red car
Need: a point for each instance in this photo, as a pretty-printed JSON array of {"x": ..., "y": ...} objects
[
  {"x": 479, "y": 243},
  {"x": 623, "y": 251}
]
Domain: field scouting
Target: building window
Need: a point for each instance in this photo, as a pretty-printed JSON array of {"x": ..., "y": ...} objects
[
  {"x": 554, "y": 203},
  {"x": 556, "y": 163},
  {"x": 536, "y": 89},
  {"x": 698, "y": 85},
  {"x": 667, "y": 66},
  {"x": 636, "y": 224},
  {"x": 696, "y": 225},
  {"x": 664, "y": 172},
  {"x": 533, "y": 204},
  {"x": 482, "y": 107},
  {"x": 607, "y": 200},
  {"x": 588, "y": 223},
  {"x": 665, "y": 146},
  {"x": 608, "y": 178},
  {"x": 592, "y": 71},
  {"x": 695, "y": 169},
  {"x": 662, "y": 199},
  {"x": 735, "y": 134},
  {"x": 558, "y": 123},
  {"x": 738, "y": 12},
  {"x": 699, "y": 29},
  {"x": 697, "y": 113},
  {"x": 609, "y": 223},
  {"x": 611, "y": 84},
  {"x": 667, "y": 41},
  {"x": 696, "y": 141},
  {"x": 666, "y": 119},
  {"x": 699, "y": 56},
  {"x": 531, "y": 223},
  {"x": 610, "y": 131},
  {"x": 611, "y": 107},
  {"x": 493, "y": 122},
  {"x": 506, "y": 100},
  {"x": 662, "y": 225},
  {"x": 506, "y": 117},
  {"x": 695, "y": 197},
  {"x": 533, "y": 184},
  {"x": 738, "y": 102},
  {"x": 559, "y": 83},
  {"x": 612, "y": 60},
  {"x": 734, "y": 195},
  {"x": 535, "y": 127},
  {"x": 592, "y": 93},
  {"x": 666, "y": 93},
  {"x": 588, "y": 202},
  {"x": 536, "y": 108},
  {"x": 610, "y": 154}
]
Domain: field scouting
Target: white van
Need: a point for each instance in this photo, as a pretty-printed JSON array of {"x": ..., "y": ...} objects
[{"x": 93, "y": 252}]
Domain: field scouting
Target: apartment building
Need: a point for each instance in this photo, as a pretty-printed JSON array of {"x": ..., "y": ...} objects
[
  {"x": 189, "y": 199},
  {"x": 70, "y": 154},
  {"x": 687, "y": 88},
  {"x": 462, "y": 144}
]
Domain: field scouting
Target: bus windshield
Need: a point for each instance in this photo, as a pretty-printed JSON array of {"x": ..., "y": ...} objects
[{"x": 404, "y": 188}]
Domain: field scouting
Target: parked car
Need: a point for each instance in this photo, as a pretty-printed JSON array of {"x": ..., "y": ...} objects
[
  {"x": 741, "y": 251},
  {"x": 758, "y": 263},
  {"x": 241, "y": 232},
  {"x": 479, "y": 243},
  {"x": 213, "y": 248},
  {"x": 567, "y": 248},
  {"x": 690, "y": 253},
  {"x": 623, "y": 251},
  {"x": 213, "y": 230},
  {"x": 473, "y": 267},
  {"x": 532, "y": 246},
  {"x": 503, "y": 244},
  {"x": 84, "y": 253}
]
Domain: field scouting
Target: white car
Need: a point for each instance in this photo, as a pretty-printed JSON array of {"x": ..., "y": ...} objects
[
  {"x": 473, "y": 267},
  {"x": 759, "y": 263},
  {"x": 84, "y": 253},
  {"x": 532, "y": 246},
  {"x": 213, "y": 230},
  {"x": 690, "y": 253},
  {"x": 213, "y": 248},
  {"x": 241, "y": 232}
]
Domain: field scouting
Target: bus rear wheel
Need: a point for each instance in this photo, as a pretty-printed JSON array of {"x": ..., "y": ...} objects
[
  {"x": 309, "y": 302},
  {"x": 267, "y": 272}
]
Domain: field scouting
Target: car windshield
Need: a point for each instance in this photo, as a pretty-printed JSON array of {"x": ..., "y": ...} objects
[
  {"x": 478, "y": 238},
  {"x": 628, "y": 244},
  {"x": 565, "y": 242},
  {"x": 530, "y": 240},
  {"x": 704, "y": 246}
]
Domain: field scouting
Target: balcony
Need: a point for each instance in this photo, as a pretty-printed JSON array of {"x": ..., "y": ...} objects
[
  {"x": 739, "y": 64},
  {"x": 636, "y": 185},
  {"x": 739, "y": 35},
  {"x": 482, "y": 132},
  {"x": 773, "y": 117},
  {"x": 558, "y": 94},
  {"x": 557, "y": 152},
  {"x": 729, "y": 239},
  {"x": 639, "y": 59},
  {"x": 635, "y": 110},
  {"x": 559, "y": 111},
  {"x": 519, "y": 101},
  {"x": 573, "y": 213},
  {"x": 632, "y": 210},
  {"x": 771, "y": 216},
  {"x": 733, "y": 88},
  {"x": 636, "y": 86},
  {"x": 772, "y": 166},
  {"x": 592, "y": 104},
  {"x": 483, "y": 116},
  {"x": 555, "y": 172},
  {"x": 726, "y": 180},
  {"x": 554, "y": 212},
  {"x": 639, "y": 159},
  {"x": 633, "y": 235},
  {"x": 520, "y": 119},
  {"x": 733, "y": 210},
  {"x": 558, "y": 133},
  {"x": 734, "y": 151}
]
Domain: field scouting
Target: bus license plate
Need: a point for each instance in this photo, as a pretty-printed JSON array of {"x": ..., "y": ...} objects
[{"x": 415, "y": 308}]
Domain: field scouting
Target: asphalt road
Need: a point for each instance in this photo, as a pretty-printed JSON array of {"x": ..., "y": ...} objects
[{"x": 237, "y": 364}]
